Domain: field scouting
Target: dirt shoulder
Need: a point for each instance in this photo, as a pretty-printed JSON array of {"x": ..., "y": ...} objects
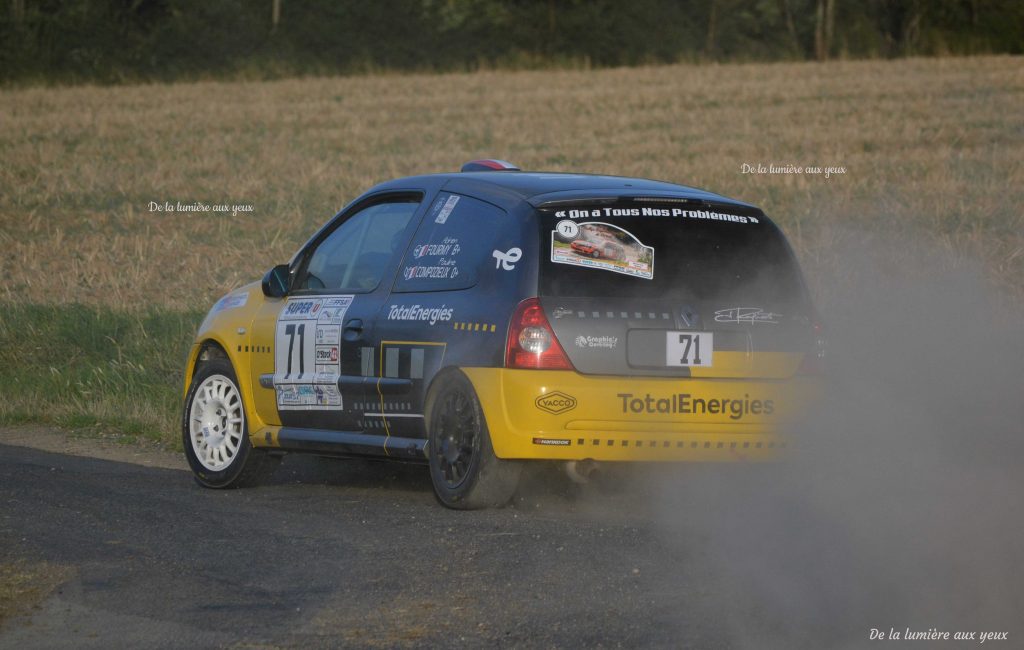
[{"x": 138, "y": 452}]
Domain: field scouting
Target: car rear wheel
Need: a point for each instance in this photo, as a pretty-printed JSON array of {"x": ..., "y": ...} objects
[
  {"x": 215, "y": 433},
  {"x": 465, "y": 472}
]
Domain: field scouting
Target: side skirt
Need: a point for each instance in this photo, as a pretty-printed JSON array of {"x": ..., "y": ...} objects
[{"x": 351, "y": 443}]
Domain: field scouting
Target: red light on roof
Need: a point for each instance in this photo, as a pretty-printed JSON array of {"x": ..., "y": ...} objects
[{"x": 489, "y": 165}]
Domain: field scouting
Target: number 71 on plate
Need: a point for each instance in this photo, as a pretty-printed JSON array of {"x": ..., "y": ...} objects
[{"x": 689, "y": 348}]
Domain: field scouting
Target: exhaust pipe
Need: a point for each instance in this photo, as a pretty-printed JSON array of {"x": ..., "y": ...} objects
[{"x": 579, "y": 471}]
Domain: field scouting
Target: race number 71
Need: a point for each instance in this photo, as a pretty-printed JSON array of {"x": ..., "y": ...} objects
[
  {"x": 688, "y": 348},
  {"x": 293, "y": 330}
]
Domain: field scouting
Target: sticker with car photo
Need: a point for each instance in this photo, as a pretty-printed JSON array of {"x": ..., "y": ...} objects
[{"x": 600, "y": 245}]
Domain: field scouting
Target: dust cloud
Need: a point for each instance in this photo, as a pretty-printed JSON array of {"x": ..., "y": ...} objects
[{"x": 902, "y": 504}]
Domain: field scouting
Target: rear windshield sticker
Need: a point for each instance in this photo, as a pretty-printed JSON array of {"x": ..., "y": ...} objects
[
  {"x": 655, "y": 212},
  {"x": 599, "y": 245}
]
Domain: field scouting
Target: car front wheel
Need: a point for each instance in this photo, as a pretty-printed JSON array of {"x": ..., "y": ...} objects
[
  {"x": 463, "y": 468},
  {"x": 215, "y": 434}
]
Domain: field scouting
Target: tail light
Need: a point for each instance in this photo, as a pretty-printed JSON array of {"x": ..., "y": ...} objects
[
  {"x": 814, "y": 359},
  {"x": 531, "y": 341}
]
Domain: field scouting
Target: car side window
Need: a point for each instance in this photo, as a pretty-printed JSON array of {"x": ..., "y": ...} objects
[
  {"x": 455, "y": 238},
  {"x": 354, "y": 256}
]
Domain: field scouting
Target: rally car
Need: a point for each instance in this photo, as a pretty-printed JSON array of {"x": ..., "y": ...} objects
[
  {"x": 609, "y": 250},
  {"x": 447, "y": 319}
]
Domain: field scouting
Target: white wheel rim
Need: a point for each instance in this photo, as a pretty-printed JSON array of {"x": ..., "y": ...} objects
[{"x": 216, "y": 422}]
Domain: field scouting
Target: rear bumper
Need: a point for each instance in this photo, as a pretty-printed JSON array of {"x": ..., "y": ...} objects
[{"x": 563, "y": 415}]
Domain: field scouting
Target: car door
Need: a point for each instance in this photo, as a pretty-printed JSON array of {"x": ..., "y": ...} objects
[
  {"x": 455, "y": 289},
  {"x": 319, "y": 331}
]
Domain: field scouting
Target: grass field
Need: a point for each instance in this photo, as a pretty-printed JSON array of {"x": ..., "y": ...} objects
[{"x": 100, "y": 294}]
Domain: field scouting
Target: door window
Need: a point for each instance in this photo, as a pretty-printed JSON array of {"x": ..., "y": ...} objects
[{"x": 354, "y": 257}]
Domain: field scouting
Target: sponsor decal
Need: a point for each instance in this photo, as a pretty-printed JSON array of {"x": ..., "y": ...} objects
[
  {"x": 298, "y": 309},
  {"x": 328, "y": 334},
  {"x": 562, "y": 311},
  {"x": 747, "y": 315},
  {"x": 295, "y": 394},
  {"x": 552, "y": 442},
  {"x": 338, "y": 302},
  {"x": 327, "y": 395},
  {"x": 686, "y": 404},
  {"x": 231, "y": 301},
  {"x": 601, "y": 245},
  {"x": 608, "y": 342},
  {"x": 555, "y": 402},
  {"x": 654, "y": 212},
  {"x": 446, "y": 209},
  {"x": 307, "y": 353},
  {"x": 308, "y": 396},
  {"x": 430, "y": 315},
  {"x": 333, "y": 311},
  {"x": 508, "y": 259},
  {"x": 326, "y": 354}
]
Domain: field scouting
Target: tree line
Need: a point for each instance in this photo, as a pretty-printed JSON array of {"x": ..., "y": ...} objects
[{"x": 110, "y": 41}]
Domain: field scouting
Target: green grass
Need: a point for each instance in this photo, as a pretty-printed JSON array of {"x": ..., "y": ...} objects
[{"x": 95, "y": 368}]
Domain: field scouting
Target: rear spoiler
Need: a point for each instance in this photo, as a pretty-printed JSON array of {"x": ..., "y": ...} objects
[{"x": 698, "y": 198}]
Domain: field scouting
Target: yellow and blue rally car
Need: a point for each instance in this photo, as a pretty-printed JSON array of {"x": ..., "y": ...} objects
[{"x": 477, "y": 319}]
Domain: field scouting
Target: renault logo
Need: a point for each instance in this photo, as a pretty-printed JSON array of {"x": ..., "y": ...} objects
[{"x": 689, "y": 316}]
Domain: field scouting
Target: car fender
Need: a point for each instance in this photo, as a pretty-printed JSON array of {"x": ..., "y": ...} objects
[{"x": 228, "y": 325}]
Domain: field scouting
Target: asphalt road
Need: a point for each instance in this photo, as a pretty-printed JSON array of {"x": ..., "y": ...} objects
[{"x": 343, "y": 553}]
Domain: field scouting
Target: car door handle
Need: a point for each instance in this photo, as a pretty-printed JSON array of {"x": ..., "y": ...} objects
[{"x": 353, "y": 330}]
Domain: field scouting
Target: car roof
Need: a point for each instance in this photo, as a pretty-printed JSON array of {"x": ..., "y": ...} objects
[{"x": 544, "y": 188}]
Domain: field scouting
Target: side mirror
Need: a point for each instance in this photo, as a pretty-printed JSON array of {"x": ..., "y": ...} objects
[{"x": 275, "y": 282}]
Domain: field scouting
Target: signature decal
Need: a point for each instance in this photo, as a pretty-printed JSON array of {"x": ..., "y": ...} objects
[{"x": 748, "y": 315}]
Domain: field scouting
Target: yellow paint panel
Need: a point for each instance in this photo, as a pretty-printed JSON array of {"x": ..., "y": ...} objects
[{"x": 646, "y": 419}]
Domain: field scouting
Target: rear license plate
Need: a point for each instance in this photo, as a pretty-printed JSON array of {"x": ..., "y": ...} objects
[{"x": 688, "y": 348}]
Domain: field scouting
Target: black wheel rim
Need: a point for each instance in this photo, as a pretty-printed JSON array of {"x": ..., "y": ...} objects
[{"x": 455, "y": 434}]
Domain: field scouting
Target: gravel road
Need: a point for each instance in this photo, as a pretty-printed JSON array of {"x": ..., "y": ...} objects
[{"x": 341, "y": 553}]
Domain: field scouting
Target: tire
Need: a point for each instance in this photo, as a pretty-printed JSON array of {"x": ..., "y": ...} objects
[
  {"x": 215, "y": 433},
  {"x": 463, "y": 468},
  {"x": 595, "y": 254}
]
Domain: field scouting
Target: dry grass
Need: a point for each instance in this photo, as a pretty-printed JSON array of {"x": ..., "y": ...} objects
[
  {"x": 933, "y": 151},
  {"x": 24, "y": 585}
]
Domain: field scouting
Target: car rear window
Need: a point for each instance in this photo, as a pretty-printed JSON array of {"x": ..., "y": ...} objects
[{"x": 666, "y": 251}]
